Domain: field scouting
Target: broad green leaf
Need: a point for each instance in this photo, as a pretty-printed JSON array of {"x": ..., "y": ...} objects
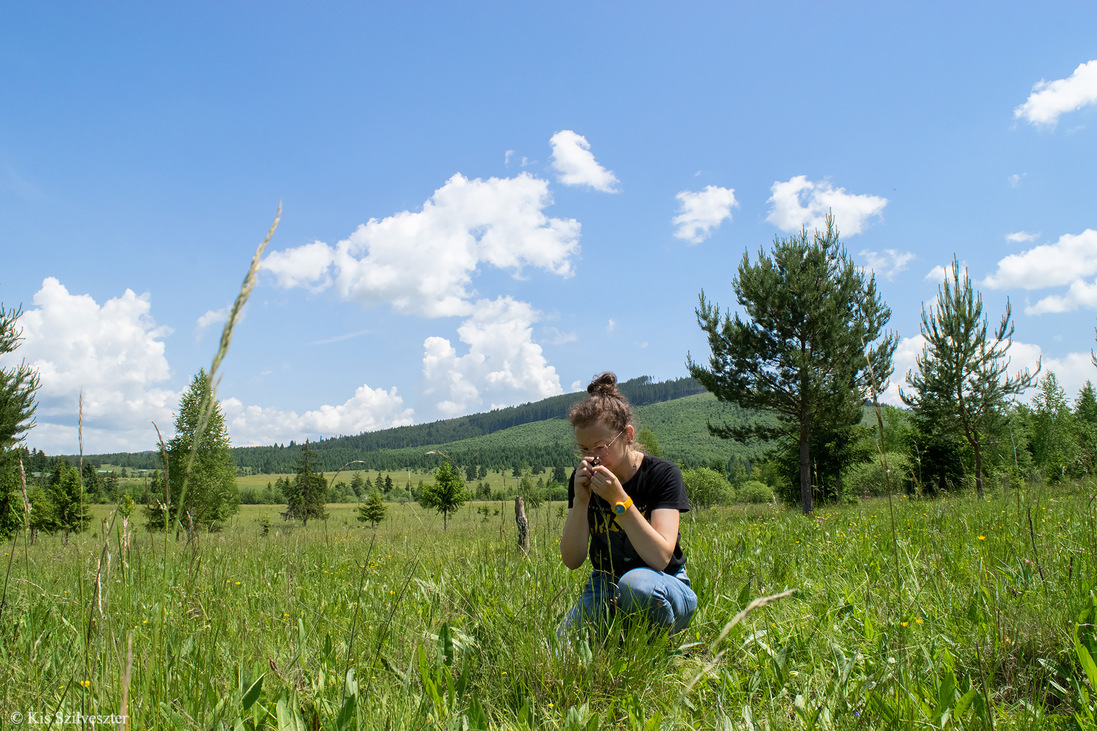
[
  {"x": 1086, "y": 661},
  {"x": 477, "y": 718},
  {"x": 252, "y": 694}
]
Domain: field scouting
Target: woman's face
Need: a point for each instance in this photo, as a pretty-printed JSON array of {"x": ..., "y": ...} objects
[{"x": 604, "y": 442}]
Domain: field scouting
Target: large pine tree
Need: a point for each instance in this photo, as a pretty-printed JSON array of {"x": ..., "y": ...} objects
[{"x": 813, "y": 323}]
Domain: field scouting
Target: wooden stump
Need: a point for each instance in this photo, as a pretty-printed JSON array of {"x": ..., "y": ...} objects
[{"x": 523, "y": 524}]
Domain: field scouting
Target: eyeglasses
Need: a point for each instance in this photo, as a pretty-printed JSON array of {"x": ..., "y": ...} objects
[{"x": 601, "y": 449}]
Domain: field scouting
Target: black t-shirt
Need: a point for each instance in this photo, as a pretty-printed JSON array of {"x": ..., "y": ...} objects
[{"x": 656, "y": 485}]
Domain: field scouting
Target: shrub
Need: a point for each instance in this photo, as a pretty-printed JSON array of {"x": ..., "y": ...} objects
[
  {"x": 753, "y": 491},
  {"x": 870, "y": 478},
  {"x": 250, "y": 496},
  {"x": 706, "y": 487}
]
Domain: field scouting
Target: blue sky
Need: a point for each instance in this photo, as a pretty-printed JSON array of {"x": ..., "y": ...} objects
[{"x": 487, "y": 204}]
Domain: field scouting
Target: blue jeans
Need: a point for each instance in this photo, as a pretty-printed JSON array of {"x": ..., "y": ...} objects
[{"x": 664, "y": 600}]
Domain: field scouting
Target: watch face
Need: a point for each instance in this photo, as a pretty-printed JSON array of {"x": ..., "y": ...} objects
[{"x": 619, "y": 509}]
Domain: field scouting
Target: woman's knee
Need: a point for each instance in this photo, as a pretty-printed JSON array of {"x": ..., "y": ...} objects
[{"x": 641, "y": 589}]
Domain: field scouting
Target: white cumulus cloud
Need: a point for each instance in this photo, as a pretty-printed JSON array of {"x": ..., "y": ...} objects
[
  {"x": 1070, "y": 262},
  {"x": 502, "y": 364},
  {"x": 702, "y": 211},
  {"x": 887, "y": 263},
  {"x": 1072, "y": 257},
  {"x": 1022, "y": 237},
  {"x": 213, "y": 317},
  {"x": 422, "y": 262},
  {"x": 575, "y": 164},
  {"x": 1081, "y": 293},
  {"x": 302, "y": 266},
  {"x": 113, "y": 353},
  {"x": 369, "y": 409},
  {"x": 800, "y": 203},
  {"x": 1050, "y": 100}
]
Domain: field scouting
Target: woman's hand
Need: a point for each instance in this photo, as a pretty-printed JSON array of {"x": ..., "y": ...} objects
[
  {"x": 575, "y": 539},
  {"x": 603, "y": 483},
  {"x": 583, "y": 474}
]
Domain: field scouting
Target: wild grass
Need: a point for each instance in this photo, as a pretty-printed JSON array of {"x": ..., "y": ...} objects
[{"x": 409, "y": 626}]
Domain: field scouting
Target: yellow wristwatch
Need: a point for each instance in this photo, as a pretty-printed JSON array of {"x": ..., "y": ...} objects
[{"x": 622, "y": 507}]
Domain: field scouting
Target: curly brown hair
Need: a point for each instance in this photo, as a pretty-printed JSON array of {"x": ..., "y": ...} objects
[{"x": 604, "y": 403}]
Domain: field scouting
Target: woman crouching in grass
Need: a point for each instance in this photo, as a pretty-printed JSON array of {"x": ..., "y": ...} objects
[{"x": 623, "y": 511}]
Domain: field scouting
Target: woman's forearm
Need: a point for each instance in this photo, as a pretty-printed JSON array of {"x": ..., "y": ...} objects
[
  {"x": 650, "y": 540},
  {"x": 575, "y": 540}
]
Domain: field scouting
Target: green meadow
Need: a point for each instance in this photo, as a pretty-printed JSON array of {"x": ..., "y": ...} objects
[{"x": 946, "y": 613}]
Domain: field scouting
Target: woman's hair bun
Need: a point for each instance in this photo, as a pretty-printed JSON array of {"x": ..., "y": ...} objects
[
  {"x": 603, "y": 404},
  {"x": 604, "y": 385}
]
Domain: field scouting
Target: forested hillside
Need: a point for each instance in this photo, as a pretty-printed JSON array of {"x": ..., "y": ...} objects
[{"x": 535, "y": 435}]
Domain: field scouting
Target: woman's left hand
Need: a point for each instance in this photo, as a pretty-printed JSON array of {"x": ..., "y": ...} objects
[{"x": 605, "y": 485}]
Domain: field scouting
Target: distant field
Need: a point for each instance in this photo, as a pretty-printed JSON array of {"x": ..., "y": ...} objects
[
  {"x": 501, "y": 481},
  {"x": 954, "y": 613},
  {"x": 496, "y": 481}
]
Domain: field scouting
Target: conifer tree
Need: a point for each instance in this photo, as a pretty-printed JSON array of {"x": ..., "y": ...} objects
[
  {"x": 358, "y": 485},
  {"x": 93, "y": 484},
  {"x": 71, "y": 512},
  {"x": 18, "y": 386},
  {"x": 308, "y": 496},
  {"x": 202, "y": 490},
  {"x": 813, "y": 323},
  {"x": 446, "y": 494},
  {"x": 961, "y": 386},
  {"x": 1054, "y": 442},
  {"x": 43, "y": 513},
  {"x": 1085, "y": 422},
  {"x": 372, "y": 510}
]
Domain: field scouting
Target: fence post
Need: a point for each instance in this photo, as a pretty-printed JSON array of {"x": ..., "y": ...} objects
[{"x": 523, "y": 523}]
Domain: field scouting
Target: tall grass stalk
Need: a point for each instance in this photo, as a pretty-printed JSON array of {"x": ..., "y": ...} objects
[
  {"x": 757, "y": 603},
  {"x": 209, "y": 399}
]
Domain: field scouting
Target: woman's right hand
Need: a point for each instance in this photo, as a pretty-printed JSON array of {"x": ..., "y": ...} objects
[{"x": 583, "y": 474}]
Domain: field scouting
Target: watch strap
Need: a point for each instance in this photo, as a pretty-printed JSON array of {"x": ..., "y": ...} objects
[{"x": 620, "y": 508}]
